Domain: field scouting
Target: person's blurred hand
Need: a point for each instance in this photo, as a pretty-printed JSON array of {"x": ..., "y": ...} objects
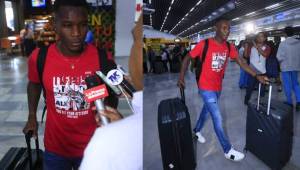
[
  {"x": 263, "y": 79},
  {"x": 109, "y": 112}
]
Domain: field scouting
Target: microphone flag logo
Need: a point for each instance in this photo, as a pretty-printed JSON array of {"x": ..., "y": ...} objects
[{"x": 115, "y": 77}]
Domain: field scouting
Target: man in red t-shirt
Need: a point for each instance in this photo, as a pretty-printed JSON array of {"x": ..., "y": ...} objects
[
  {"x": 210, "y": 82},
  {"x": 70, "y": 121}
]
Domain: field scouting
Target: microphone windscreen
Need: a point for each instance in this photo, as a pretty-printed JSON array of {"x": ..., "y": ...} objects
[{"x": 92, "y": 81}]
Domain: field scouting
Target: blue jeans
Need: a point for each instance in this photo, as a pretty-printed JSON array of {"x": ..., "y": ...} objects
[
  {"x": 53, "y": 161},
  {"x": 290, "y": 82},
  {"x": 210, "y": 99},
  {"x": 243, "y": 82}
]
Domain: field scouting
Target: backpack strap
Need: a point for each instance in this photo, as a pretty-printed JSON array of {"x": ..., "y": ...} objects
[
  {"x": 199, "y": 62},
  {"x": 41, "y": 60},
  {"x": 228, "y": 46},
  {"x": 102, "y": 54}
]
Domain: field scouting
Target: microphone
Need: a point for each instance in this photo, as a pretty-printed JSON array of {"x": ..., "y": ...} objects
[
  {"x": 116, "y": 78},
  {"x": 115, "y": 89},
  {"x": 95, "y": 93}
]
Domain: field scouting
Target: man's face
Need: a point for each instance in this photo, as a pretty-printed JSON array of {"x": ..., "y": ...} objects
[
  {"x": 71, "y": 27},
  {"x": 260, "y": 38},
  {"x": 223, "y": 29}
]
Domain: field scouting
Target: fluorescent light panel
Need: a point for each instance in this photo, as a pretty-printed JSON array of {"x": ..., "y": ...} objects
[
  {"x": 198, "y": 3},
  {"x": 273, "y": 6},
  {"x": 251, "y": 13}
]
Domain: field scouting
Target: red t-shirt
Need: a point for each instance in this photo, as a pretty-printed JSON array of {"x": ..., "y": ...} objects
[
  {"x": 214, "y": 65},
  {"x": 70, "y": 122}
]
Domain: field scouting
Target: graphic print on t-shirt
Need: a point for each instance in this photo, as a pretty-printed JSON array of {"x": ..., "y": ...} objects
[
  {"x": 218, "y": 61},
  {"x": 68, "y": 96}
]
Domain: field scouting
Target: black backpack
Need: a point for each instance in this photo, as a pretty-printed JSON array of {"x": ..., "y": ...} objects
[
  {"x": 111, "y": 100},
  {"x": 198, "y": 63}
]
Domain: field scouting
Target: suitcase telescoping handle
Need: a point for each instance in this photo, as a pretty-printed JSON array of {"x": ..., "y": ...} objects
[
  {"x": 182, "y": 94},
  {"x": 269, "y": 97},
  {"x": 28, "y": 136}
]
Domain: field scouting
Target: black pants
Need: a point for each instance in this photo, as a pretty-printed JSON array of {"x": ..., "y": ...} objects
[
  {"x": 145, "y": 67},
  {"x": 165, "y": 62},
  {"x": 252, "y": 83}
]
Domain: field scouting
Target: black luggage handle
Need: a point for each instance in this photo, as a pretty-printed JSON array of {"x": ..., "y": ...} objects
[
  {"x": 28, "y": 137},
  {"x": 182, "y": 94}
]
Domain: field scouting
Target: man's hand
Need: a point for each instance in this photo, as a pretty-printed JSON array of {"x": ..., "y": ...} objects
[
  {"x": 181, "y": 83},
  {"x": 263, "y": 79},
  {"x": 109, "y": 112},
  {"x": 31, "y": 125}
]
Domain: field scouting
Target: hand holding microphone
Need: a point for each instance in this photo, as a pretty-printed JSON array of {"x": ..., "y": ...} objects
[{"x": 96, "y": 93}]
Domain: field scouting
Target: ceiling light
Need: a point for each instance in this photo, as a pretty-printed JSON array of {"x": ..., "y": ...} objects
[
  {"x": 214, "y": 13},
  {"x": 236, "y": 19},
  {"x": 273, "y": 6},
  {"x": 249, "y": 28},
  {"x": 198, "y": 2},
  {"x": 222, "y": 9},
  {"x": 192, "y": 9},
  {"x": 250, "y": 13}
]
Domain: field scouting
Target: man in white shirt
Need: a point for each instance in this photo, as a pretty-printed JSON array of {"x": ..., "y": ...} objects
[
  {"x": 258, "y": 55},
  {"x": 119, "y": 145},
  {"x": 289, "y": 59}
]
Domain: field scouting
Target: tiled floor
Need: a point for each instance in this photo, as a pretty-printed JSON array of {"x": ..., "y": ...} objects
[
  {"x": 209, "y": 155},
  {"x": 13, "y": 102}
]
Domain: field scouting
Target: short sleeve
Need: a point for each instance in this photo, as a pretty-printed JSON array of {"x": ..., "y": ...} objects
[
  {"x": 197, "y": 51},
  {"x": 233, "y": 52},
  {"x": 33, "y": 75}
]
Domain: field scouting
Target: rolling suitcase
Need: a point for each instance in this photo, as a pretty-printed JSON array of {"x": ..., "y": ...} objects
[
  {"x": 269, "y": 131},
  {"x": 175, "y": 135},
  {"x": 18, "y": 158}
]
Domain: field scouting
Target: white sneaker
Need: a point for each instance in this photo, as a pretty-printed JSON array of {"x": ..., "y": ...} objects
[
  {"x": 234, "y": 155},
  {"x": 201, "y": 139}
]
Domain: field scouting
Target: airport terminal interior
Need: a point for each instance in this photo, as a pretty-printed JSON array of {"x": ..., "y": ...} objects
[{"x": 171, "y": 28}]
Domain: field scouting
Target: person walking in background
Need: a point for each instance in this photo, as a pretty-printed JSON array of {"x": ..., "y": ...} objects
[
  {"x": 289, "y": 59},
  {"x": 272, "y": 65},
  {"x": 151, "y": 57},
  {"x": 258, "y": 54},
  {"x": 27, "y": 39}
]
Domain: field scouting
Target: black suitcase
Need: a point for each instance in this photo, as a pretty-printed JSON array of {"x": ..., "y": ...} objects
[
  {"x": 18, "y": 158},
  {"x": 269, "y": 131},
  {"x": 175, "y": 135}
]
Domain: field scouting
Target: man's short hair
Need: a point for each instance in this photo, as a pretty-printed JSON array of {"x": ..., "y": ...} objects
[
  {"x": 289, "y": 31},
  {"x": 74, "y": 3},
  {"x": 221, "y": 19}
]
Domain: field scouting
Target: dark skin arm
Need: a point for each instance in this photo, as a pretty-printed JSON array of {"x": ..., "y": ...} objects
[
  {"x": 184, "y": 66},
  {"x": 264, "y": 53},
  {"x": 33, "y": 96},
  {"x": 248, "y": 69}
]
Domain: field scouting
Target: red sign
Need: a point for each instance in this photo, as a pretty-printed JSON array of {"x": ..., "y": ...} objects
[{"x": 95, "y": 93}]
